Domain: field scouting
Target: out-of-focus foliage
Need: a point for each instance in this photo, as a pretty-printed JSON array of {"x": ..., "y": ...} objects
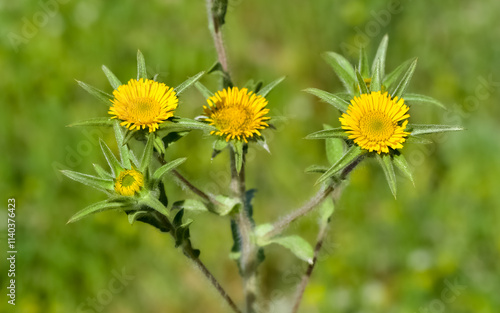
[{"x": 382, "y": 255}]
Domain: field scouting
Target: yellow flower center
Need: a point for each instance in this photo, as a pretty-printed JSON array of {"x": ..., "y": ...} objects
[
  {"x": 237, "y": 113},
  {"x": 129, "y": 182},
  {"x": 376, "y": 122},
  {"x": 143, "y": 103}
]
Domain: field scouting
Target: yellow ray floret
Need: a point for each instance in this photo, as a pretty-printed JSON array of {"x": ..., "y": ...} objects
[
  {"x": 129, "y": 182},
  {"x": 376, "y": 122},
  {"x": 142, "y": 103},
  {"x": 237, "y": 113}
]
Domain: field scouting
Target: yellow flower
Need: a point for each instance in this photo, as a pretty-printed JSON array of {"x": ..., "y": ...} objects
[
  {"x": 129, "y": 182},
  {"x": 376, "y": 122},
  {"x": 142, "y": 103},
  {"x": 237, "y": 113}
]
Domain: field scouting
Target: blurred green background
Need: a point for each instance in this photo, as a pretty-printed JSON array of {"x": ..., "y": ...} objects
[{"x": 382, "y": 254}]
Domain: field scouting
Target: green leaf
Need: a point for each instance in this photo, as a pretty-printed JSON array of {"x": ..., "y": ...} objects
[
  {"x": 316, "y": 169},
  {"x": 361, "y": 83},
  {"x": 412, "y": 97},
  {"x": 186, "y": 84},
  {"x": 394, "y": 75},
  {"x": 419, "y": 140},
  {"x": 326, "y": 210},
  {"x": 167, "y": 167},
  {"x": 405, "y": 81},
  {"x": 122, "y": 147},
  {"x": 185, "y": 124},
  {"x": 136, "y": 215},
  {"x": 159, "y": 145},
  {"x": 113, "y": 80},
  {"x": 363, "y": 63},
  {"x": 380, "y": 56},
  {"x": 376, "y": 83},
  {"x": 89, "y": 180},
  {"x": 343, "y": 69},
  {"x": 155, "y": 204},
  {"x": 227, "y": 205},
  {"x": 99, "y": 94},
  {"x": 332, "y": 99},
  {"x": 297, "y": 245},
  {"x": 190, "y": 205},
  {"x": 266, "y": 89},
  {"x": 386, "y": 164},
  {"x": 420, "y": 129},
  {"x": 147, "y": 154},
  {"x": 352, "y": 154},
  {"x": 95, "y": 208},
  {"x": 329, "y": 133},
  {"x": 402, "y": 165},
  {"x": 141, "y": 66},
  {"x": 220, "y": 144},
  {"x": 101, "y": 172},
  {"x": 113, "y": 163},
  {"x": 335, "y": 147},
  {"x": 203, "y": 90},
  {"x": 238, "y": 154},
  {"x": 178, "y": 218},
  {"x": 96, "y": 121}
]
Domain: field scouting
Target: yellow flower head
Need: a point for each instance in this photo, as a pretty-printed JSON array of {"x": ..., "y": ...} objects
[
  {"x": 129, "y": 182},
  {"x": 237, "y": 113},
  {"x": 142, "y": 103},
  {"x": 376, "y": 122}
]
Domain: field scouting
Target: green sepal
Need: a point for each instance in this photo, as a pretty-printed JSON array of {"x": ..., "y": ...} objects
[
  {"x": 96, "y": 121},
  {"x": 421, "y": 129},
  {"x": 203, "y": 90},
  {"x": 394, "y": 75},
  {"x": 343, "y": 69},
  {"x": 412, "y": 97},
  {"x": 405, "y": 81},
  {"x": 363, "y": 89},
  {"x": 102, "y": 172},
  {"x": 363, "y": 63},
  {"x": 380, "y": 56},
  {"x": 334, "y": 147},
  {"x": 122, "y": 147},
  {"x": 400, "y": 162},
  {"x": 89, "y": 180},
  {"x": 238, "y": 153},
  {"x": 187, "y": 83},
  {"x": 99, "y": 94},
  {"x": 330, "y": 98},
  {"x": 266, "y": 89},
  {"x": 316, "y": 169},
  {"x": 158, "y": 174},
  {"x": 350, "y": 156},
  {"x": 385, "y": 162},
  {"x": 96, "y": 208},
  {"x": 114, "y": 164},
  {"x": 329, "y": 133},
  {"x": 113, "y": 80},
  {"x": 141, "y": 66},
  {"x": 376, "y": 83}
]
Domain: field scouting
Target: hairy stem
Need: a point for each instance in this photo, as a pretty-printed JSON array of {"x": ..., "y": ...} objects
[{"x": 215, "y": 26}]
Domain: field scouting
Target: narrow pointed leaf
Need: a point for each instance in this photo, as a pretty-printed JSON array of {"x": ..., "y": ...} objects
[
  {"x": 102, "y": 172},
  {"x": 147, "y": 154},
  {"x": 326, "y": 210},
  {"x": 203, "y": 90},
  {"x": 402, "y": 165},
  {"x": 190, "y": 205},
  {"x": 113, "y": 163},
  {"x": 113, "y": 80},
  {"x": 238, "y": 154},
  {"x": 386, "y": 164},
  {"x": 343, "y": 69},
  {"x": 316, "y": 169},
  {"x": 297, "y": 245},
  {"x": 376, "y": 83},
  {"x": 155, "y": 204},
  {"x": 405, "y": 81},
  {"x": 361, "y": 83},
  {"x": 352, "y": 154},
  {"x": 95, "y": 208},
  {"x": 185, "y": 124},
  {"x": 167, "y": 167},
  {"x": 418, "y": 140},
  {"x": 380, "y": 56},
  {"x": 264, "y": 91},
  {"x": 420, "y": 129},
  {"x": 96, "y": 121},
  {"x": 122, "y": 147},
  {"x": 99, "y": 94},
  {"x": 335, "y": 147},
  {"x": 141, "y": 66},
  {"x": 332, "y": 99},
  {"x": 412, "y": 97},
  {"x": 186, "y": 84},
  {"x": 328, "y": 133},
  {"x": 363, "y": 63},
  {"x": 392, "y": 77},
  {"x": 89, "y": 180}
]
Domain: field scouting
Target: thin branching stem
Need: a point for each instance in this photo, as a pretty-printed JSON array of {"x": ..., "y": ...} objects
[{"x": 216, "y": 31}]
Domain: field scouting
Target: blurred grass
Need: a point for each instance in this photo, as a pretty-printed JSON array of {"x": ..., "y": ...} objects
[{"x": 383, "y": 255}]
